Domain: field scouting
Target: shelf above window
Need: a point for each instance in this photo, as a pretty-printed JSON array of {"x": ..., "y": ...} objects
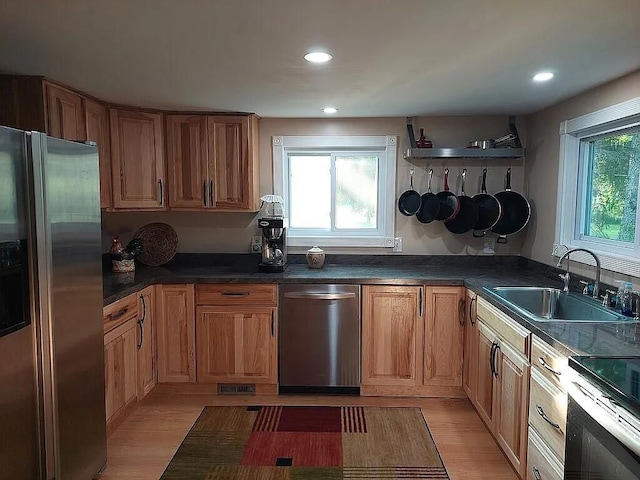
[{"x": 418, "y": 153}]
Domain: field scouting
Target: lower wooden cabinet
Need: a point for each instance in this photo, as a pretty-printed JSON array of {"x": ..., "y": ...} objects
[
  {"x": 412, "y": 340},
  {"x": 236, "y": 331},
  {"x": 176, "y": 333},
  {"x": 120, "y": 370},
  {"x": 470, "y": 366},
  {"x": 146, "y": 341}
]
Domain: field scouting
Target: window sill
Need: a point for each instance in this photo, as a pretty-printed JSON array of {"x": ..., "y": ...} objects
[{"x": 623, "y": 264}]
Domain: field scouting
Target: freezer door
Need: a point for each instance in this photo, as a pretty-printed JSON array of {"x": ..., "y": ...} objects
[
  {"x": 19, "y": 437},
  {"x": 67, "y": 219}
]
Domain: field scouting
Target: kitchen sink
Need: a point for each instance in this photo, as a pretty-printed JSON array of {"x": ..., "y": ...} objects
[{"x": 551, "y": 304}]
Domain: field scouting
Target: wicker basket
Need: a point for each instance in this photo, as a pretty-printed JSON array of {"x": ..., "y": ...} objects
[{"x": 159, "y": 243}]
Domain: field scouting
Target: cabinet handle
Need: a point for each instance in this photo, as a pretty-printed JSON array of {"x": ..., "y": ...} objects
[
  {"x": 144, "y": 309},
  {"x": 272, "y": 324},
  {"x": 235, "y": 294},
  {"x": 140, "y": 322},
  {"x": 536, "y": 473},
  {"x": 545, "y": 418},
  {"x": 473, "y": 322},
  {"x": 118, "y": 314},
  {"x": 546, "y": 365},
  {"x": 495, "y": 359},
  {"x": 493, "y": 350},
  {"x": 461, "y": 312},
  {"x": 161, "y": 192},
  {"x": 420, "y": 301},
  {"x": 211, "y": 193},
  {"x": 204, "y": 193}
]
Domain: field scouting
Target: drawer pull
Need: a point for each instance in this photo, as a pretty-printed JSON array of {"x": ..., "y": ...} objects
[
  {"x": 536, "y": 474},
  {"x": 546, "y": 366},
  {"x": 235, "y": 294},
  {"x": 473, "y": 299},
  {"x": 547, "y": 419},
  {"x": 118, "y": 314},
  {"x": 320, "y": 296}
]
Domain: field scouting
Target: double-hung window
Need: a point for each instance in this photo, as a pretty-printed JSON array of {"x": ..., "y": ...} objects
[
  {"x": 338, "y": 190},
  {"x": 598, "y": 196}
]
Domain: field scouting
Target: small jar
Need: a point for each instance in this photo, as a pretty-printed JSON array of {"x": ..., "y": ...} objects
[{"x": 315, "y": 257}]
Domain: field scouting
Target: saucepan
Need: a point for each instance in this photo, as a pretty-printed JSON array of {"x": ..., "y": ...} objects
[
  {"x": 410, "y": 200},
  {"x": 467, "y": 213},
  {"x": 516, "y": 212},
  {"x": 489, "y": 209},
  {"x": 449, "y": 205},
  {"x": 488, "y": 143},
  {"x": 430, "y": 204}
]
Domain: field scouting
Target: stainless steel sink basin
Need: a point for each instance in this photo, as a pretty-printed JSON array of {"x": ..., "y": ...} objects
[{"x": 551, "y": 304}]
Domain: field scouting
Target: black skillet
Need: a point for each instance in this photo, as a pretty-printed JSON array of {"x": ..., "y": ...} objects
[
  {"x": 468, "y": 213},
  {"x": 489, "y": 209},
  {"x": 449, "y": 204},
  {"x": 516, "y": 212},
  {"x": 430, "y": 205},
  {"x": 410, "y": 200}
]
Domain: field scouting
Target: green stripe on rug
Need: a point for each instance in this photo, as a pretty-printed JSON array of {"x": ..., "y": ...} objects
[{"x": 307, "y": 442}]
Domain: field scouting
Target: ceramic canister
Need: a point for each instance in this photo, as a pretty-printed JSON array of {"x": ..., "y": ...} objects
[{"x": 315, "y": 257}]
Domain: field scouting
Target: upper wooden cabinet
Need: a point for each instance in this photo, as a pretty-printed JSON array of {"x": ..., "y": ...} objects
[
  {"x": 212, "y": 162},
  {"x": 137, "y": 160},
  {"x": 65, "y": 114},
  {"x": 97, "y": 123}
]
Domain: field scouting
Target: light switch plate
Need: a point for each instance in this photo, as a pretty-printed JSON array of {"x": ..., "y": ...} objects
[
  {"x": 256, "y": 244},
  {"x": 397, "y": 244},
  {"x": 489, "y": 245}
]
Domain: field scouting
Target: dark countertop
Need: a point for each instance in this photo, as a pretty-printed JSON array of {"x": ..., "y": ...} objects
[{"x": 571, "y": 338}]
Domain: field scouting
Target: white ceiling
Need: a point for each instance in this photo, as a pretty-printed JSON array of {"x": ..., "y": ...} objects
[{"x": 391, "y": 57}]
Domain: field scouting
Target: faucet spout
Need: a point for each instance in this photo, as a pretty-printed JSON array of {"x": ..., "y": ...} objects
[{"x": 596, "y": 284}]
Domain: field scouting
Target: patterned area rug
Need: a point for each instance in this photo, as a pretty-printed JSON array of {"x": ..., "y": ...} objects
[{"x": 310, "y": 442}]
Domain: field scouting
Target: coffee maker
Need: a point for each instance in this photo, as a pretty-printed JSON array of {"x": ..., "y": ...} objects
[
  {"x": 274, "y": 245},
  {"x": 274, "y": 235}
]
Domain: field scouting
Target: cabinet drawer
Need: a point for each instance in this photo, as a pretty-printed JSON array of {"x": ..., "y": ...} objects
[
  {"x": 548, "y": 412},
  {"x": 120, "y": 312},
  {"x": 236, "y": 294},
  {"x": 516, "y": 335},
  {"x": 548, "y": 361},
  {"x": 542, "y": 464}
]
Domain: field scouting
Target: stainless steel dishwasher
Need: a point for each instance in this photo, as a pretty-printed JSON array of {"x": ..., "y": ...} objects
[{"x": 319, "y": 341}]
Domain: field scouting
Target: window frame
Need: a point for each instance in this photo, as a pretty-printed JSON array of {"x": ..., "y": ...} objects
[
  {"x": 385, "y": 145},
  {"x": 574, "y": 133}
]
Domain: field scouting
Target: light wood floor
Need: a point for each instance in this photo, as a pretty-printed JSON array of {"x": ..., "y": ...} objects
[{"x": 143, "y": 445}]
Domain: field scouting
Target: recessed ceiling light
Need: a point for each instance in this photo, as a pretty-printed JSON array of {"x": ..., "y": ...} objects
[
  {"x": 318, "y": 57},
  {"x": 329, "y": 110},
  {"x": 542, "y": 76}
]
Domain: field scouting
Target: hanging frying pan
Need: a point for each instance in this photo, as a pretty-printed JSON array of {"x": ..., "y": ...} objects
[
  {"x": 430, "y": 205},
  {"x": 410, "y": 200},
  {"x": 489, "y": 209},
  {"x": 449, "y": 204},
  {"x": 516, "y": 212},
  {"x": 468, "y": 213}
]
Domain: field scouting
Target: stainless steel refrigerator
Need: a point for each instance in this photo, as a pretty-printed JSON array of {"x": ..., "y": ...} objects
[{"x": 52, "y": 416}]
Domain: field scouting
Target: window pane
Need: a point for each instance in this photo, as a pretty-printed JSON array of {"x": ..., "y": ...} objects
[
  {"x": 612, "y": 187},
  {"x": 310, "y": 191},
  {"x": 356, "y": 191}
]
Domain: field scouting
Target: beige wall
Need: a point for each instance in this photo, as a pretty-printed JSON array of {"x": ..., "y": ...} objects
[
  {"x": 541, "y": 172},
  {"x": 231, "y": 232}
]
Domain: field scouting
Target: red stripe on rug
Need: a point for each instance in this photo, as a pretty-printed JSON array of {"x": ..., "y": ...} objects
[{"x": 304, "y": 449}]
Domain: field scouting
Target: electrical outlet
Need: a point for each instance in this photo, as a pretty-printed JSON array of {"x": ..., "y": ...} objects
[
  {"x": 256, "y": 244},
  {"x": 397, "y": 244},
  {"x": 489, "y": 245}
]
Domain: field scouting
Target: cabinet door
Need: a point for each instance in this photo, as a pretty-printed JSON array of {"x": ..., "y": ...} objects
[
  {"x": 443, "y": 336},
  {"x": 137, "y": 160},
  {"x": 512, "y": 400},
  {"x": 176, "y": 333},
  {"x": 470, "y": 365},
  {"x": 392, "y": 329},
  {"x": 236, "y": 345},
  {"x": 97, "y": 119},
  {"x": 120, "y": 369},
  {"x": 485, "y": 389},
  {"x": 187, "y": 162},
  {"x": 65, "y": 114},
  {"x": 233, "y": 167},
  {"x": 146, "y": 342}
]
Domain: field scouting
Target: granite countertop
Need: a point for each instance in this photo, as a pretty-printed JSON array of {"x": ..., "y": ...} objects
[{"x": 475, "y": 273}]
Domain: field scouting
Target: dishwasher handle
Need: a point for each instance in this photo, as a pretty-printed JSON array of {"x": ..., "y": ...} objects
[{"x": 320, "y": 296}]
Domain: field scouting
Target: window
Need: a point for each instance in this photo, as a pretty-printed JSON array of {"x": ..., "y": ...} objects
[
  {"x": 338, "y": 190},
  {"x": 598, "y": 196}
]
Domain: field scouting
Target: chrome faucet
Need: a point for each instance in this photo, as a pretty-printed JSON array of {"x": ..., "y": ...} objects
[{"x": 596, "y": 285}]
